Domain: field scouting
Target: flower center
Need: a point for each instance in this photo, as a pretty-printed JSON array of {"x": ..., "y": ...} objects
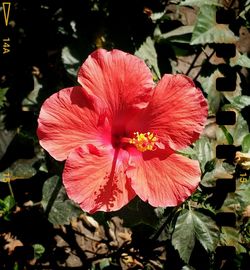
[{"x": 144, "y": 141}]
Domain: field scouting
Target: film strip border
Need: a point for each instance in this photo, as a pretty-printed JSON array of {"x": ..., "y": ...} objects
[
  {"x": 6, "y": 11},
  {"x": 226, "y": 152}
]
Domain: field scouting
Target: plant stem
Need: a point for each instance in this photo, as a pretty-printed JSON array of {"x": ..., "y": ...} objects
[
  {"x": 193, "y": 62},
  {"x": 165, "y": 223},
  {"x": 209, "y": 57},
  {"x": 11, "y": 191}
]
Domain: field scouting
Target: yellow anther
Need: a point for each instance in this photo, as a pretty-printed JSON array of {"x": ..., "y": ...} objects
[{"x": 144, "y": 141}]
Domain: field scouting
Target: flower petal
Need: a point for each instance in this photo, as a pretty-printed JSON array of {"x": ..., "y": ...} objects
[
  {"x": 164, "y": 181},
  {"x": 96, "y": 179},
  {"x": 116, "y": 79},
  {"x": 176, "y": 114},
  {"x": 67, "y": 120}
]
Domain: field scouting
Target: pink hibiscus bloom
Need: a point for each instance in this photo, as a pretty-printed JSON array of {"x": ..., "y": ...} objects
[{"x": 119, "y": 132}]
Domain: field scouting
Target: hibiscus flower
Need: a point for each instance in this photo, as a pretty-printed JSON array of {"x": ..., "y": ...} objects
[{"x": 119, "y": 133}]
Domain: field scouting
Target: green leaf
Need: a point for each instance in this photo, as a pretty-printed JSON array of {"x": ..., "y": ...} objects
[
  {"x": 214, "y": 97},
  {"x": 239, "y": 200},
  {"x": 138, "y": 212},
  {"x": 5, "y": 207},
  {"x": 246, "y": 144},
  {"x": 227, "y": 134},
  {"x": 206, "y": 231},
  {"x": 183, "y": 238},
  {"x": 210, "y": 165},
  {"x": 148, "y": 53},
  {"x": 239, "y": 130},
  {"x": 31, "y": 98},
  {"x": 187, "y": 267},
  {"x": 9, "y": 202},
  {"x": 190, "y": 226},
  {"x": 20, "y": 169},
  {"x": 188, "y": 151},
  {"x": 3, "y": 92},
  {"x": 180, "y": 50},
  {"x": 246, "y": 10},
  {"x": 2, "y": 204},
  {"x": 209, "y": 86},
  {"x": 200, "y": 3},
  {"x": 243, "y": 194},
  {"x": 207, "y": 31},
  {"x": 230, "y": 237},
  {"x": 240, "y": 60},
  {"x": 240, "y": 102},
  {"x": 6, "y": 136},
  {"x": 38, "y": 250},
  {"x": 104, "y": 263},
  {"x": 56, "y": 204},
  {"x": 16, "y": 267},
  {"x": 204, "y": 151}
]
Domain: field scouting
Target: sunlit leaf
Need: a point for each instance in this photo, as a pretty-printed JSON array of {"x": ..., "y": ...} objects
[
  {"x": 214, "y": 96},
  {"x": 6, "y": 205},
  {"x": 209, "y": 86},
  {"x": 188, "y": 151},
  {"x": 207, "y": 31},
  {"x": 190, "y": 226},
  {"x": 157, "y": 16},
  {"x": 246, "y": 10},
  {"x": 200, "y": 3},
  {"x": 203, "y": 151},
  {"x": 246, "y": 144},
  {"x": 38, "y": 250},
  {"x": 240, "y": 60},
  {"x": 242, "y": 193},
  {"x": 148, "y": 53},
  {"x": 240, "y": 102},
  {"x": 230, "y": 237},
  {"x": 9, "y": 202},
  {"x": 239, "y": 130},
  {"x": 105, "y": 262},
  {"x": 71, "y": 64},
  {"x": 56, "y": 204},
  {"x": 187, "y": 267}
]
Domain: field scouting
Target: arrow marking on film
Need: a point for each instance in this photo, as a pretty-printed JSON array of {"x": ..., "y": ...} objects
[{"x": 6, "y": 11}]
